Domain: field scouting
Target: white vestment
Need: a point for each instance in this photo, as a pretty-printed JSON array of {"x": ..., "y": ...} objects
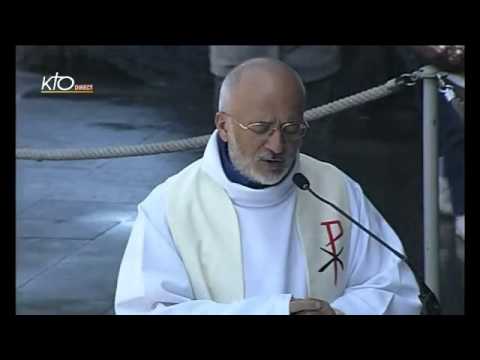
[{"x": 153, "y": 279}]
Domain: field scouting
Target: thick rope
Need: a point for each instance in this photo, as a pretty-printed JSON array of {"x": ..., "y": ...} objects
[
  {"x": 200, "y": 141},
  {"x": 114, "y": 151},
  {"x": 352, "y": 101}
]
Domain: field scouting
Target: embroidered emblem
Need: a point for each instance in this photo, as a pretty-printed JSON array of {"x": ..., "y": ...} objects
[{"x": 331, "y": 242}]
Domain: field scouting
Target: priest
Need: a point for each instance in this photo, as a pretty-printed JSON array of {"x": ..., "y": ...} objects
[{"x": 232, "y": 234}]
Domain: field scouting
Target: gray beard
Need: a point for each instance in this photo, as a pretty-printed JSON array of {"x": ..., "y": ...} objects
[{"x": 245, "y": 166}]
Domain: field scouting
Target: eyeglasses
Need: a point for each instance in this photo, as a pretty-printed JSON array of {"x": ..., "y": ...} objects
[{"x": 290, "y": 130}]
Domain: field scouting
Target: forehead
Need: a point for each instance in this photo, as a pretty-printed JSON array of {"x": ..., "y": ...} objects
[{"x": 268, "y": 93}]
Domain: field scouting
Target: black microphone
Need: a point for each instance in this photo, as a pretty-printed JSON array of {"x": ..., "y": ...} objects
[{"x": 429, "y": 301}]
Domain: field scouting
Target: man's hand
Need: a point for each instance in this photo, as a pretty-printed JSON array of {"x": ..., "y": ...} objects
[
  {"x": 310, "y": 306},
  {"x": 446, "y": 57}
]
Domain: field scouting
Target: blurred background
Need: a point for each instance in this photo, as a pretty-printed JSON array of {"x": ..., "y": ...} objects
[{"x": 73, "y": 218}]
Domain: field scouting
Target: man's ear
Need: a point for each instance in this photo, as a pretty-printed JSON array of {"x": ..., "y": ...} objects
[{"x": 221, "y": 125}]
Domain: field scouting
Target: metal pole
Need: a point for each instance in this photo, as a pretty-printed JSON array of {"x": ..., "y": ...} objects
[{"x": 430, "y": 179}]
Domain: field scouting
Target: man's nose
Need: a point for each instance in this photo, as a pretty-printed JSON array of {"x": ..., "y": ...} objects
[{"x": 275, "y": 142}]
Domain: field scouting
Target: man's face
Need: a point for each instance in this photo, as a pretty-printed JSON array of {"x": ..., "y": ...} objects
[{"x": 266, "y": 159}]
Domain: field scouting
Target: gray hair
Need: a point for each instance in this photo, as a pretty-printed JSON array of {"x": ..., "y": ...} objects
[{"x": 233, "y": 77}]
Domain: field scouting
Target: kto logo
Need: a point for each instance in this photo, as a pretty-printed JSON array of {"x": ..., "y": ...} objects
[{"x": 64, "y": 84}]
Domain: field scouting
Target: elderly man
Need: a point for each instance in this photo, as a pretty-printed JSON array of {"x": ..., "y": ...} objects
[{"x": 232, "y": 234}]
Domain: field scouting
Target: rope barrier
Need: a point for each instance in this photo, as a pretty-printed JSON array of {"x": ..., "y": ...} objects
[{"x": 198, "y": 142}]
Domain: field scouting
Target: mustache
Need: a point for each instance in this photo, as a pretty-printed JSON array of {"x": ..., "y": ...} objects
[{"x": 274, "y": 157}]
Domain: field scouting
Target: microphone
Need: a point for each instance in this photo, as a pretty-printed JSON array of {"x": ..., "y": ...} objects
[{"x": 429, "y": 301}]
